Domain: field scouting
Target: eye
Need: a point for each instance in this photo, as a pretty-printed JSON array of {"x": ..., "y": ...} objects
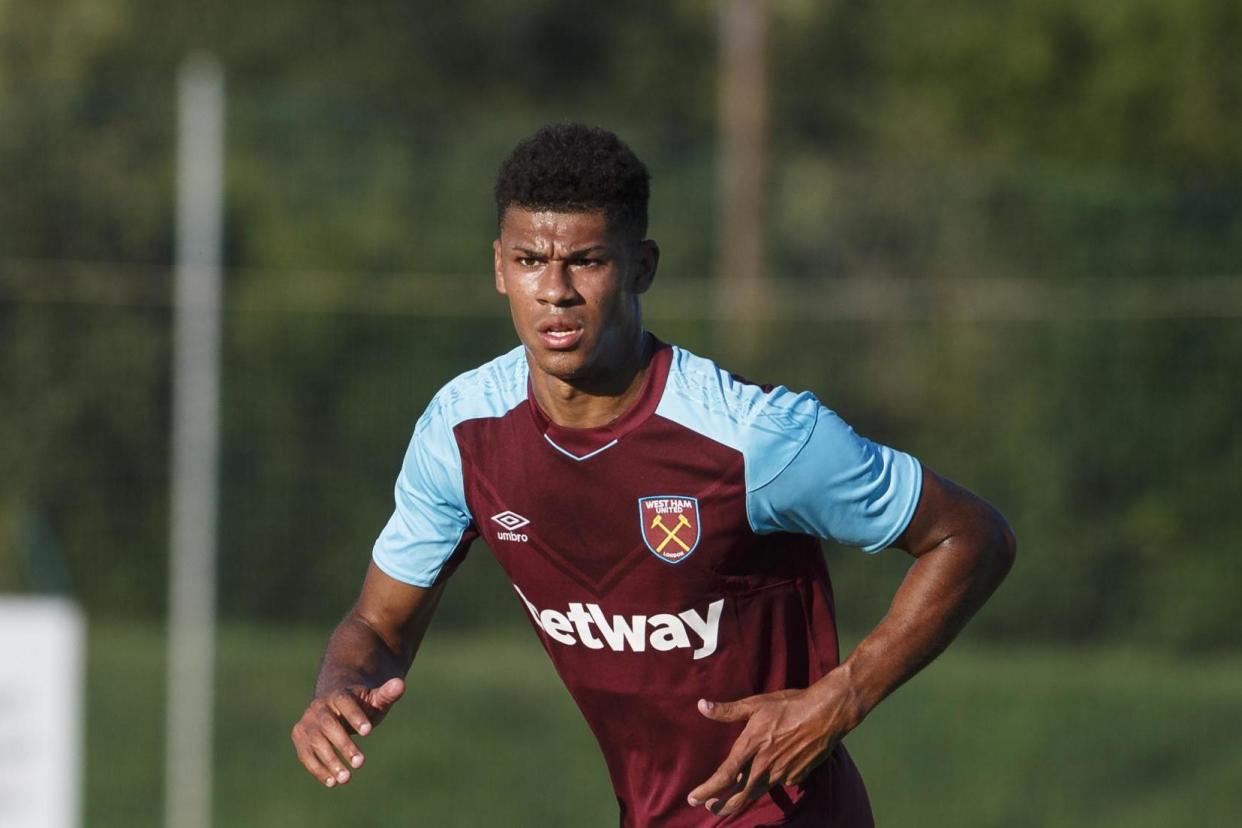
[
  {"x": 588, "y": 262},
  {"x": 527, "y": 261}
]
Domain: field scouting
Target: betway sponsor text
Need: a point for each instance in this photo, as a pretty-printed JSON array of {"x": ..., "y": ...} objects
[{"x": 661, "y": 631}]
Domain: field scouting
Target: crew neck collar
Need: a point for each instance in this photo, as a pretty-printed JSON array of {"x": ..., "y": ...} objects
[{"x": 584, "y": 443}]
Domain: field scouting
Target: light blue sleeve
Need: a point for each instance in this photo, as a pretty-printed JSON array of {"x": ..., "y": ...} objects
[
  {"x": 837, "y": 485},
  {"x": 806, "y": 470},
  {"x": 431, "y": 518}
]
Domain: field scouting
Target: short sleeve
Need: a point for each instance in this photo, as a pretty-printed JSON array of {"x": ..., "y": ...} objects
[
  {"x": 430, "y": 523},
  {"x": 840, "y": 486}
]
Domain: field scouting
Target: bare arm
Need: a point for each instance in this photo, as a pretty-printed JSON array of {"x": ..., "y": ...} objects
[
  {"x": 963, "y": 549},
  {"x": 362, "y": 673}
]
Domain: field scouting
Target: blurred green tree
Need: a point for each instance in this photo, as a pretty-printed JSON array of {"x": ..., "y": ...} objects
[{"x": 1091, "y": 154}]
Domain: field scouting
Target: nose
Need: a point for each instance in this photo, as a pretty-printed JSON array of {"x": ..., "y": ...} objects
[{"x": 556, "y": 284}]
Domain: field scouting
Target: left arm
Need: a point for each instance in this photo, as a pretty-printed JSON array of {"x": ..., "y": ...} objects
[{"x": 963, "y": 548}]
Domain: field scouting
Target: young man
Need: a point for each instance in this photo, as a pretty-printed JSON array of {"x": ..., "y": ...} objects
[{"x": 659, "y": 519}]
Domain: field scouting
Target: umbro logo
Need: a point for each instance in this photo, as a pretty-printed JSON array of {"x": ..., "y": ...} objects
[{"x": 511, "y": 521}]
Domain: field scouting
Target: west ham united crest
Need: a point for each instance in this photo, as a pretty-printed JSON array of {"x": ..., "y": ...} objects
[{"x": 670, "y": 525}]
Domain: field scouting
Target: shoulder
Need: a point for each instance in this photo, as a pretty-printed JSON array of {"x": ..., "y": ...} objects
[
  {"x": 767, "y": 424},
  {"x": 490, "y": 390}
]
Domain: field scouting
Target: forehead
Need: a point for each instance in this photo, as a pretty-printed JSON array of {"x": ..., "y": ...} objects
[{"x": 520, "y": 225}]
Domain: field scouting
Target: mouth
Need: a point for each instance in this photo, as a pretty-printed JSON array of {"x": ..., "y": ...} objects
[{"x": 560, "y": 335}]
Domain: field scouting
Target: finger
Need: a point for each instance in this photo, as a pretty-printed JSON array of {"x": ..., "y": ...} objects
[
  {"x": 348, "y": 708},
  {"x": 756, "y": 786},
  {"x": 716, "y": 802},
  {"x": 331, "y": 727},
  {"x": 384, "y": 696},
  {"x": 724, "y": 781},
  {"x": 314, "y": 767},
  {"x": 801, "y": 768},
  {"x": 798, "y": 777},
  {"x": 324, "y": 752},
  {"x": 727, "y": 711}
]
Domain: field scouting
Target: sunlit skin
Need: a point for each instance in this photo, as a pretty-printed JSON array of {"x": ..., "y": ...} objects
[{"x": 573, "y": 286}]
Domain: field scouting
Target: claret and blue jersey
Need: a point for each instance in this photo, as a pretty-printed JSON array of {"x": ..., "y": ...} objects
[{"x": 669, "y": 556}]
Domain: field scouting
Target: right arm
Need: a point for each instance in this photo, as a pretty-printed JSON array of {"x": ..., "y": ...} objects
[
  {"x": 363, "y": 670},
  {"x": 362, "y": 673}
]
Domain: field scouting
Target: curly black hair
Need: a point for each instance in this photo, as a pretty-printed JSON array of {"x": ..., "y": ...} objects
[{"x": 575, "y": 168}]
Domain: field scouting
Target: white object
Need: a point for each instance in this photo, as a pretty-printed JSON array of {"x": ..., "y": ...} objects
[
  {"x": 41, "y": 676},
  {"x": 195, "y": 444}
]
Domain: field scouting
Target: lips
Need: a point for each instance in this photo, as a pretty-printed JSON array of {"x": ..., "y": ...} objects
[{"x": 559, "y": 335}]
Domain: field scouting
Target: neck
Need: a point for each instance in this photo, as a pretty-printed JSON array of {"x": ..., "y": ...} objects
[{"x": 597, "y": 400}]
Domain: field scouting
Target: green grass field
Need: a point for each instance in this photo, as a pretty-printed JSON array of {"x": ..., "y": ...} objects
[{"x": 986, "y": 737}]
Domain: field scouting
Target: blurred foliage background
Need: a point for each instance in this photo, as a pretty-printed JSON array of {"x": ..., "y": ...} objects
[{"x": 1005, "y": 237}]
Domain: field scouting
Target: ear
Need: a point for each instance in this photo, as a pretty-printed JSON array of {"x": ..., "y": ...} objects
[
  {"x": 498, "y": 267},
  {"x": 645, "y": 265}
]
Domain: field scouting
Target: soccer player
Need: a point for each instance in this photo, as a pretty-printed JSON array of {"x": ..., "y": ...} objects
[{"x": 659, "y": 520}]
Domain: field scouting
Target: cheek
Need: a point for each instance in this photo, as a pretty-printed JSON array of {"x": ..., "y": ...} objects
[
  {"x": 616, "y": 306},
  {"x": 523, "y": 287},
  {"x": 517, "y": 290},
  {"x": 605, "y": 296},
  {"x": 518, "y": 309}
]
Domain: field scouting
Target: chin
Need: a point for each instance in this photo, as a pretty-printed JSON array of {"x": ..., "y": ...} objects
[
  {"x": 560, "y": 364},
  {"x": 564, "y": 367}
]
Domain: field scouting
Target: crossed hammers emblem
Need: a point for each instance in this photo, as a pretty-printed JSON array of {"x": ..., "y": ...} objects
[{"x": 670, "y": 534}]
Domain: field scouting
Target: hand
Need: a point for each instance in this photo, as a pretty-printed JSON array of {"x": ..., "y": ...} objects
[
  {"x": 787, "y": 734},
  {"x": 321, "y": 737}
]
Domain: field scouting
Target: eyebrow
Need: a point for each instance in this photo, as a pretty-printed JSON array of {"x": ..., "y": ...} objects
[{"x": 573, "y": 254}]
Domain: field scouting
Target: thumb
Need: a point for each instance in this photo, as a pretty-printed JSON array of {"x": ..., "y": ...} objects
[
  {"x": 733, "y": 711},
  {"x": 387, "y": 694}
]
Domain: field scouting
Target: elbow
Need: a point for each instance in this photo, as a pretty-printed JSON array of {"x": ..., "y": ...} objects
[{"x": 1003, "y": 543}]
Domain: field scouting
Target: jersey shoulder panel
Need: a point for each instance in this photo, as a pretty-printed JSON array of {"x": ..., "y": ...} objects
[
  {"x": 767, "y": 424},
  {"x": 807, "y": 471},
  {"x": 841, "y": 486},
  {"x": 491, "y": 390},
  {"x": 431, "y": 520}
]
